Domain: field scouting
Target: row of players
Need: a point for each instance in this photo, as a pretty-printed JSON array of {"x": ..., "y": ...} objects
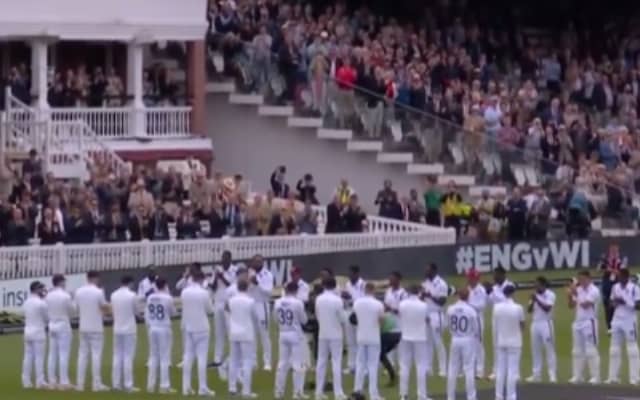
[{"x": 240, "y": 307}]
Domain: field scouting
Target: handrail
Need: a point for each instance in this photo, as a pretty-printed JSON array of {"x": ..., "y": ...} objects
[{"x": 41, "y": 261}]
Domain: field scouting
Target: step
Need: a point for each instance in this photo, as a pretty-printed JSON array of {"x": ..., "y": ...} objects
[
  {"x": 275, "y": 111},
  {"x": 364, "y": 145},
  {"x": 304, "y": 122},
  {"x": 394, "y": 158},
  {"x": 220, "y": 87},
  {"x": 476, "y": 191},
  {"x": 425, "y": 169},
  {"x": 458, "y": 180},
  {"x": 246, "y": 99},
  {"x": 335, "y": 134}
]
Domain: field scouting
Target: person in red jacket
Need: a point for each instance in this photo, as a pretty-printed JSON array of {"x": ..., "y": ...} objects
[{"x": 346, "y": 76}]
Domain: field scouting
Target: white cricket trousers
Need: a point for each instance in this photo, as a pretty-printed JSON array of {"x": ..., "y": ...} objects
[
  {"x": 479, "y": 348},
  {"x": 291, "y": 355},
  {"x": 220, "y": 326},
  {"x": 58, "y": 358},
  {"x": 585, "y": 349},
  {"x": 413, "y": 353},
  {"x": 543, "y": 342},
  {"x": 124, "y": 350},
  {"x": 367, "y": 361},
  {"x": 196, "y": 348},
  {"x": 329, "y": 348},
  {"x": 263, "y": 316},
  {"x": 624, "y": 333},
  {"x": 242, "y": 356},
  {"x": 507, "y": 372},
  {"x": 90, "y": 345},
  {"x": 436, "y": 328},
  {"x": 33, "y": 361},
  {"x": 160, "y": 345},
  {"x": 352, "y": 345},
  {"x": 462, "y": 359}
]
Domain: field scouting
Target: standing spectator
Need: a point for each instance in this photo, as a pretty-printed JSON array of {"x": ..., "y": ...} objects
[
  {"x": 282, "y": 223},
  {"x": 346, "y": 77},
  {"x": 139, "y": 224},
  {"x": 492, "y": 120},
  {"x": 211, "y": 215},
  {"x": 308, "y": 220},
  {"x": 49, "y": 231},
  {"x": 538, "y": 216},
  {"x": 353, "y": 216},
  {"x": 432, "y": 203},
  {"x": 451, "y": 208},
  {"x": 344, "y": 192},
  {"x": 201, "y": 189},
  {"x": 18, "y": 232},
  {"x": 140, "y": 197},
  {"x": 159, "y": 223},
  {"x": 334, "y": 216},
  {"x": 484, "y": 210},
  {"x": 261, "y": 213},
  {"x": 516, "y": 215},
  {"x": 33, "y": 168},
  {"x": 279, "y": 187},
  {"x": 114, "y": 225},
  {"x": 187, "y": 227},
  {"x": 80, "y": 226},
  {"x": 307, "y": 190},
  {"x": 387, "y": 201}
]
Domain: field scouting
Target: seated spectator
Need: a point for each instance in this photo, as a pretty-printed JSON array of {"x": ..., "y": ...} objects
[
  {"x": 159, "y": 222},
  {"x": 80, "y": 226},
  {"x": 114, "y": 225}
]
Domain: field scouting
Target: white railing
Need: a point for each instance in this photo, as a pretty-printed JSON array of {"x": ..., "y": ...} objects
[
  {"x": 128, "y": 122},
  {"x": 379, "y": 224},
  {"x": 39, "y": 261}
]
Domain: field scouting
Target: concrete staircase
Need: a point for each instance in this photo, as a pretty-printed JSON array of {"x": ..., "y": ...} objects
[{"x": 394, "y": 158}]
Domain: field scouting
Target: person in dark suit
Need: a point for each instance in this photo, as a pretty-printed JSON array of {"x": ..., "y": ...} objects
[
  {"x": 49, "y": 230},
  {"x": 18, "y": 233},
  {"x": 114, "y": 225},
  {"x": 214, "y": 216},
  {"x": 353, "y": 216},
  {"x": 80, "y": 227},
  {"x": 159, "y": 223},
  {"x": 334, "y": 217},
  {"x": 187, "y": 226},
  {"x": 139, "y": 224}
]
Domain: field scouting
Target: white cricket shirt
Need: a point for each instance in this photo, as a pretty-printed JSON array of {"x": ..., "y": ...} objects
[
  {"x": 497, "y": 293},
  {"x": 630, "y": 293},
  {"x": 145, "y": 287},
  {"x": 592, "y": 295},
  {"x": 369, "y": 311},
  {"x": 263, "y": 291},
  {"x": 331, "y": 315},
  {"x": 196, "y": 308},
  {"x": 303, "y": 291},
  {"x": 123, "y": 306},
  {"x": 158, "y": 310},
  {"x": 462, "y": 320},
  {"x": 219, "y": 293},
  {"x": 355, "y": 290},
  {"x": 90, "y": 300},
  {"x": 437, "y": 288},
  {"x": 392, "y": 299},
  {"x": 60, "y": 308},
  {"x": 289, "y": 314},
  {"x": 547, "y": 298},
  {"x": 507, "y": 318},
  {"x": 35, "y": 318},
  {"x": 478, "y": 298},
  {"x": 412, "y": 313},
  {"x": 241, "y": 318}
]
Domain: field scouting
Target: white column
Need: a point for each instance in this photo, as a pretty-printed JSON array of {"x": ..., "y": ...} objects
[
  {"x": 135, "y": 67},
  {"x": 39, "y": 70}
]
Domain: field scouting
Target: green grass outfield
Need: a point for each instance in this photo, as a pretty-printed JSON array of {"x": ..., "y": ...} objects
[{"x": 11, "y": 360}]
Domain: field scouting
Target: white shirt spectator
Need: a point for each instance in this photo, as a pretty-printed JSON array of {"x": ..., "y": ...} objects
[
  {"x": 369, "y": 312},
  {"x": 196, "y": 308},
  {"x": 60, "y": 308},
  {"x": 160, "y": 307},
  {"x": 507, "y": 319},
  {"x": 90, "y": 300},
  {"x": 123, "y": 305},
  {"x": 241, "y": 318},
  {"x": 437, "y": 288},
  {"x": 289, "y": 314},
  {"x": 35, "y": 318},
  {"x": 630, "y": 293},
  {"x": 547, "y": 298},
  {"x": 263, "y": 291},
  {"x": 412, "y": 313},
  {"x": 463, "y": 320},
  {"x": 331, "y": 315},
  {"x": 590, "y": 294}
]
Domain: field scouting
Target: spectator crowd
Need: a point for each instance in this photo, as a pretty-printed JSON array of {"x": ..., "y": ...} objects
[{"x": 566, "y": 101}]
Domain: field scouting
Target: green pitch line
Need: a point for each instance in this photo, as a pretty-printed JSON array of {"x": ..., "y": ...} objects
[{"x": 11, "y": 353}]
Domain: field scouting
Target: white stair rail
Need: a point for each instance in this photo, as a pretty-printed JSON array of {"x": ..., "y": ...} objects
[{"x": 41, "y": 261}]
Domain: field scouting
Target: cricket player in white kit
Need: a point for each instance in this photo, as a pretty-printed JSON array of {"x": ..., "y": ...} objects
[
  {"x": 224, "y": 275},
  {"x": 329, "y": 309},
  {"x": 354, "y": 289},
  {"x": 290, "y": 316},
  {"x": 436, "y": 292},
  {"x": 368, "y": 312},
  {"x": 92, "y": 304},
  {"x": 478, "y": 299},
  {"x": 625, "y": 297},
  {"x": 158, "y": 310},
  {"x": 196, "y": 309},
  {"x": 35, "y": 337},
  {"x": 508, "y": 322},
  {"x": 261, "y": 289},
  {"x": 60, "y": 307},
  {"x": 242, "y": 339},
  {"x": 542, "y": 331},
  {"x": 412, "y": 315},
  {"x": 185, "y": 281},
  {"x": 124, "y": 302},
  {"x": 463, "y": 324},
  {"x": 500, "y": 282},
  {"x": 145, "y": 288},
  {"x": 393, "y": 296},
  {"x": 584, "y": 297}
]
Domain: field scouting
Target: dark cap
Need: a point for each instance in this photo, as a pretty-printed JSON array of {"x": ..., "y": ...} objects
[
  {"x": 509, "y": 290},
  {"x": 35, "y": 286}
]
